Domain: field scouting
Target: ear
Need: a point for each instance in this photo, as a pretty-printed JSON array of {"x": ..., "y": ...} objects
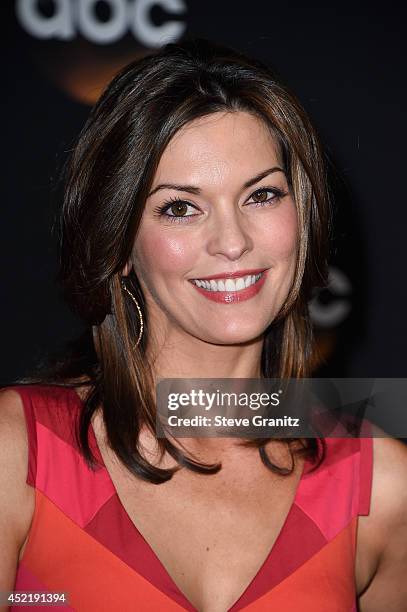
[{"x": 127, "y": 268}]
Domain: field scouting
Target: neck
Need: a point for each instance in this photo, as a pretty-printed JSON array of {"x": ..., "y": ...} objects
[
  {"x": 179, "y": 355},
  {"x": 193, "y": 358}
]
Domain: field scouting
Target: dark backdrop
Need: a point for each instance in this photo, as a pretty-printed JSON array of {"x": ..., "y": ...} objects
[{"x": 346, "y": 63}]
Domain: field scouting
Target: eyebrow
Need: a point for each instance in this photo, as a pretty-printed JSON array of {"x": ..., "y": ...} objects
[{"x": 197, "y": 190}]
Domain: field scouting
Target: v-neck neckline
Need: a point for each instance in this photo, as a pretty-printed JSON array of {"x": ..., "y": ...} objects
[{"x": 175, "y": 588}]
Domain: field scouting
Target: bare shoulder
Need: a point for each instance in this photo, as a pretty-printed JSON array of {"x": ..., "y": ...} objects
[
  {"x": 16, "y": 497},
  {"x": 11, "y": 410},
  {"x": 389, "y": 490},
  {"x": 382, "y": 535},
  {"x": 13, "y": 436}
]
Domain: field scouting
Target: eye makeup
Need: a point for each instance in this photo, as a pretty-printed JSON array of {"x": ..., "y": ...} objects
[{"x": 179, "y": 205}]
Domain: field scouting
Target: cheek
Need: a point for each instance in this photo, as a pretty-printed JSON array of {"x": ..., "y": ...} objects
[
  {"x": 280, "y": 236},
  {"x": 158, "y": 253}
]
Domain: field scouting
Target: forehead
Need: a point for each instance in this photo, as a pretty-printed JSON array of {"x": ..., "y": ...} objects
[{"x": 218, "y": 145}]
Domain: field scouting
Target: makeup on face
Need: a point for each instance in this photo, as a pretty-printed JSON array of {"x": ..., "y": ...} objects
[
  {"x": 219, "y": 229},
  {"x": 233, "y": 287}
]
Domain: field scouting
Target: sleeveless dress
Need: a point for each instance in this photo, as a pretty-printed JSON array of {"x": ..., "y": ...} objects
[{"x": 83, "y": 543}]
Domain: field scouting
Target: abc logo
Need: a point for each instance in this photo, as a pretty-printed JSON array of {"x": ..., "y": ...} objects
[
  {"x": 337, "y": 310},
  {"x": 69, "y": 17}
]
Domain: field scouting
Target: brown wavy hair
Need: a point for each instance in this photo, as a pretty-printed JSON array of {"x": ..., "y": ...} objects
[{"x": 109, "y": 176}]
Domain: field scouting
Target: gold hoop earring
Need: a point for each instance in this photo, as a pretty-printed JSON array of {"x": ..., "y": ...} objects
[{"x": 141, "y": 323}]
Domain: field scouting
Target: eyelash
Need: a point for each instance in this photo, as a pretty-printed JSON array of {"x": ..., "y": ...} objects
[{"x": 161, "y": 210}]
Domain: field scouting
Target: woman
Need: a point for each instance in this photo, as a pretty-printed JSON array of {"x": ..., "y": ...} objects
[{"x": 195, "y": 169}]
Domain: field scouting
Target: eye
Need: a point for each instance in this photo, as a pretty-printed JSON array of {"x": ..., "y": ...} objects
[
  {"x": 262, "y": 196},
  {"x": 175, "y": 210}
]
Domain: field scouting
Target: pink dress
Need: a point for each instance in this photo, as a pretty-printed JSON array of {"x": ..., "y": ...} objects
[{"x": 83, "y": 543}]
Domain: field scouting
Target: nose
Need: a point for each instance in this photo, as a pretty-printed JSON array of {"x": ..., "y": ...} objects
[{"x": 229, "y": 236}]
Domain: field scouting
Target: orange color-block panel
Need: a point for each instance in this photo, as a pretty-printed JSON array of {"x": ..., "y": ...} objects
[
  {"x": 65, "y": 558},
  {"x": 312, "y": 587}
]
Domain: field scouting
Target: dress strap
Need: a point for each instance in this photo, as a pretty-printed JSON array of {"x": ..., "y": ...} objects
[{"x": 365, "y": 475}]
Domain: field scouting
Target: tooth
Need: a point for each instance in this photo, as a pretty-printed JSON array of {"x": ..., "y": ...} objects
[
  {"x": 247, "y": 281},
  {"x": 207, "y": 285},
  {"x": 239, "y": 284},
  {"x": 252, "y": 280},
  {"x": 230, "y": 285},
  {"x": 199, "y": 283},
  {"x": 221, "y": 285},
  {"x": 214, "y": 286}
]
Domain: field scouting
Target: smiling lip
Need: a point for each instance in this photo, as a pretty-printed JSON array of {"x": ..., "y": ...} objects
[
  {"x": 232, "y": 297},
  {"x": 253, "y": 271}
]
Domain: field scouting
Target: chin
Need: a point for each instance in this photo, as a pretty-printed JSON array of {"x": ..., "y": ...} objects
[{"x": 235, "y": 335}]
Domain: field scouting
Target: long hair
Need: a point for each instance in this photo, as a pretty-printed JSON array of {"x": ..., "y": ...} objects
[{"x": 110, "y": 174}]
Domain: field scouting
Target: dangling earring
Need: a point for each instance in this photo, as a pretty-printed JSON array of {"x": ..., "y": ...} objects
[{"x": 141, "y": 323}]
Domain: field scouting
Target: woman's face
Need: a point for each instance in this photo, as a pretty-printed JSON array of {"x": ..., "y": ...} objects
[{"x": 219, "y": 208}]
